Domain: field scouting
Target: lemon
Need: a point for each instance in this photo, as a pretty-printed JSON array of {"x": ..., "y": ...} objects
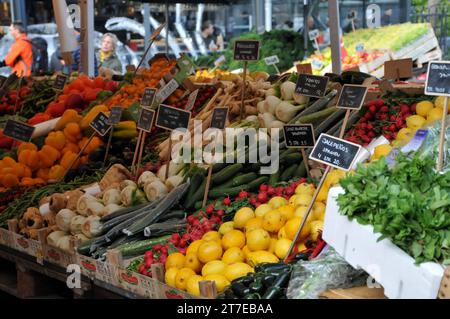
[
  {"x": 300, "y": 212},
  {"x": 226, "y": 227},
  {"x": 233, "y": 255},
  {"x": 261, "y": 256},
  {"x": 439, "y": 102},
  {"x": 323, "y": 194},
  {"x": 304, "y": 188},
  {"x": 193, "y": 247},
  {"x": 192, "y": 262},
  {"x": 175, "y": 260},
  {"x": 415, "y": 122},
  {"x": 277, "y": 201},
  {"x": 316, "y": 229},
  {"x": 292, "y": 200},
  {"x": 273, "y": 221},
  {"x": 242, "y": 216},
  {"x": 282, "y": 233},
  {"x": 262, "y": 209},
  {"x": 318, "y": 211},
  {"x": 303, "y": 200},
  {"x": 254, "y": 223},
  {"x": 182, "y": 277},
  {"x": 282, "y": 247},
  {"x": 209, "y": 250},
  {"x": 258, "y": 239},
  {"x": 423, "y": 107},
  {"x": 301, "y": 247},
  {"x": 211, "y": 235},
  {"x": 334, "y": 177},
  {"x": 234, "y": 238},
  {"x": 273, "y": 242},
  {"x": 237, "y": 270},
  {"x": 214, "y": 267},
  {"x": 192, "y": 286},
  {"x": 221, "y": 281},
  {"x": 170, "y": 276},
  {"x": 405, "y": 134},
  {"x": 292, "y": 227},
  {"x": 286, "y": 211},
  {"x": 381, "y": 150},
  {"x": 435, "y": 115},
  {"x": 246, "y": 251}
]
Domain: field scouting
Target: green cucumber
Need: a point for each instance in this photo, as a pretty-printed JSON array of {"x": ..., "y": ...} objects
[
  {"x": 198, "y": 205},
  {"x": 300, "y": 171},
  {"x": 275, "y": 178},
  {"x": 218, "y": 167},
  {"x": 257, "y": 182},
  {"x": 196, "y": 181},
  {"x": 142, "y": 246},
  {"x": 84, "y": 248},
  {"x": 288, "y": 173},
  {"x": 198, "y": 195},
  {"x": 292, "y": 158},
  {"x": 226, "y": 173},
  {"x": 229, "y": 191},
  {"x": 318, "y": 116},
  {"x": 243, "y": 179}
]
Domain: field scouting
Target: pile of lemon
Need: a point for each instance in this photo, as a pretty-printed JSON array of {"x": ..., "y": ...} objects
[{"x": 254, "y": 236}]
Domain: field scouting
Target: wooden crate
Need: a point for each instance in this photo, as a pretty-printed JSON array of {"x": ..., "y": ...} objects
[
  {"x": 371, "y": 66},
  {"x": 418, "y": 47},
  {"x": 433, "y": 55},
  {"x": 354, "y": 293}
]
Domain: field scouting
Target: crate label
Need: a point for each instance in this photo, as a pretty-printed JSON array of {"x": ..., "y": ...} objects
[
  {"x": 168, "y": 292},
  {"x": 246, "y": 50},
  {"x": 6, "y": 237},
  {"x": 271, "y": 60},
  {"x": 57, "y": 256},
  {"x": 100, "y": 124},
  {"x": 171, "y": 118},
  {"x": 352, "y": 97},
  {"x": 18, "y": 130},
  {"x": 334, "y": 152},
  {"x": 311, "y": 85},
  {"x": 129, "y": 281},
  {"x": 88, "y": 266},
  {"x": 167, "y": 90},
  {"x": 438, "y": 78},
  {"x": 106, "y": 272},
  {"x": 149, "y": 286},
  {"x": 299, "y": 135},
  {"x": 145, "y": 122}
]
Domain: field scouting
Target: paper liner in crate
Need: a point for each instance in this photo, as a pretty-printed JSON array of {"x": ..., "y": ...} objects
[{"x": 390, "y": 266}]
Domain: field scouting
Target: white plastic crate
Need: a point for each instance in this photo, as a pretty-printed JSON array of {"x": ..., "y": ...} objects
[{"x": 385, "y": 262}]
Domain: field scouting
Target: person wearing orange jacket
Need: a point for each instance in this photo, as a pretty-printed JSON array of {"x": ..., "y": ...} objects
[{"x": 20, "y": 56}]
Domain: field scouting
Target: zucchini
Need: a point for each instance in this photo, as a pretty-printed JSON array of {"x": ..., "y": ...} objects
[
  {"x": 229, "y": 191},
  {"x": 218, "y": 167},
  {"x": 292, "y": 158},
  {"x": 176, "y": 214},
  {"x": 329, "y": 122},
  {"x": 315, "y": 107},
  {"x": 275, "y": 178},
  {"x": 243, "y": 179},
  {"x": 141, "y": 247},
  {"x": 198, "y": 195},
  {"x": 226, "y": 173},
  {"x": 167, "y": 227},
  {"x": 196, "y": 182},
  {"x": 167, "y": 203},
  {"x": 288, "y": 173},
  {"x": 287, "y": 152},
  {"x": 257, "y": 182},
  {"x": 84, "y": 248},
  {"x": 122, "y": 211},
  {"x": 300, "y": 171},
  {"x": 318, "y": 116}
]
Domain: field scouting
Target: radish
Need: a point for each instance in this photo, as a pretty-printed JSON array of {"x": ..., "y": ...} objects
[
  {"x": 262, "y": 198},
  {"x": 271, "y": 191},
  {"x": 263, "y": 187}
]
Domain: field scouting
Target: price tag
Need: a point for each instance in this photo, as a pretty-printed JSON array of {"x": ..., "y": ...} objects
[
  {"x": 219, "y": 61},
  {"x": 352, "y": 97},
  {"x": 304, "y": 68},
  {"x": 145, "y": 122},
  {"x": 60, "y": 82},
  {"x": 397, "y": 69},
  {"x": 100, "y": 124},
  {"x": 191, "y": 100},
  {"x": 246, "y": 50},
  {"x": 148, "y": 98},
  {"x": 130, "y": 68},
  {"x": 311, "y": 85},
  {"x": 438, "y": 78},
  {"x": 313, "y": 34},
  {"x": 271, "y": 60},
  {"x": 299, "y": 135},
  {"x": 171, "y": 118},
  {"x": 334, "y": 152},
  {"x": 219, "y": 118},
  {"x": 115, "y": 115},
  {"x": 18, "y": 130},
  {"x": 167, "y": 90}
]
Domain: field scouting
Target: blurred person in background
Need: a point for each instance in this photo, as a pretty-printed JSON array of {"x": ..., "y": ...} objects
[
  {"x": 76, "y": 55},
  {"x": 106, "y": 55},
  {"x": 20, "y": 55},
  {"x": 208, "y": 36}
]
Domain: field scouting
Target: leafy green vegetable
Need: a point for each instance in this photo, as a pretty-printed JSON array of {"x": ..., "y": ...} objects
[{"x": 409, "y": 204}]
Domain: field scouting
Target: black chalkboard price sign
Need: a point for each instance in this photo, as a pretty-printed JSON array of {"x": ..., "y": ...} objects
[
  {"x": 352, "y": 97},
  {"x": 171, "y": 118},
  {"x": 60, "y": 81},
  {"x": 219, "y": 118},
  {"x": 148, "y": 98},
  {"x": 438, "y": 78},
  {"x": 18, "y": 130},
  {"x": 246, "y": 50},
  {"x": 311, "y": 85},
  {"x": 145, "y": 122},
  {"x": 299, "y": 135},
  {"x": 100, "y": 124},
  {"x": 115, "y": 116},
  {"x": 334, "y": 152}
]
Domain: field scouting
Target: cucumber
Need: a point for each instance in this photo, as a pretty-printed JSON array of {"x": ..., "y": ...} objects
[
  {"x": 198, "y": 205},
  {"x": 300, "y": 170},
  {"x": 287, "y": 152},
  {"x": 196, "y": 181},
  {"x": 198, "y": 195},
  {"x": 84, "y": 248},
  {"x": 318, "y": 116},
  {"x": 315, "y": 107},
  {"x": 292, "y": 158},
  {"x": 142, "y": 246},
  {"x": 219, "y": 166},
  {"x": 243, "y": 179},
  {"x": 275, "y": 178},
  {"x": 257, "y": 182},
  {"x": 288, "y": 173},
  {"x": 226, "y": 173},
  {"x": 229, "y": 191},
  {"x": 329, "y": 122}
]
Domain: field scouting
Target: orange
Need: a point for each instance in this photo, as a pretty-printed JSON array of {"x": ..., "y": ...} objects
[
  {"x": 234, "y": 238},
  {"x": 208, "y": 251},
  {"x": 253, "y": 223},
  {"x": 292, "y": 227},
  {"x": 273, "y": 221},
  {"x": 211, "y": 235},
  {"x": 214, "y": 267},
  {"x": 258, "y": 239},
  {"x": 233, "y": 255},
  {"x": 193, "y": 247},
  {"x": 175, "y": 260}
]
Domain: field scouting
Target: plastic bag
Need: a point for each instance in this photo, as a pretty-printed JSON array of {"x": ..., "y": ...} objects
[
  {"x": 310, "y": 278},
  {"x": 431, "y": 144}
]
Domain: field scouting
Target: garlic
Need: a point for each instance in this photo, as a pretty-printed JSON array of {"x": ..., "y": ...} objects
[
  {"x": 63, "y": 219},
  {"x": 76, "y": 223},
  {"x": 155, "y": 190},
  {"x": 111, "y": 196},
  {"x": 285, "y": 111},
  {"x": 287, "y": 89}
]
